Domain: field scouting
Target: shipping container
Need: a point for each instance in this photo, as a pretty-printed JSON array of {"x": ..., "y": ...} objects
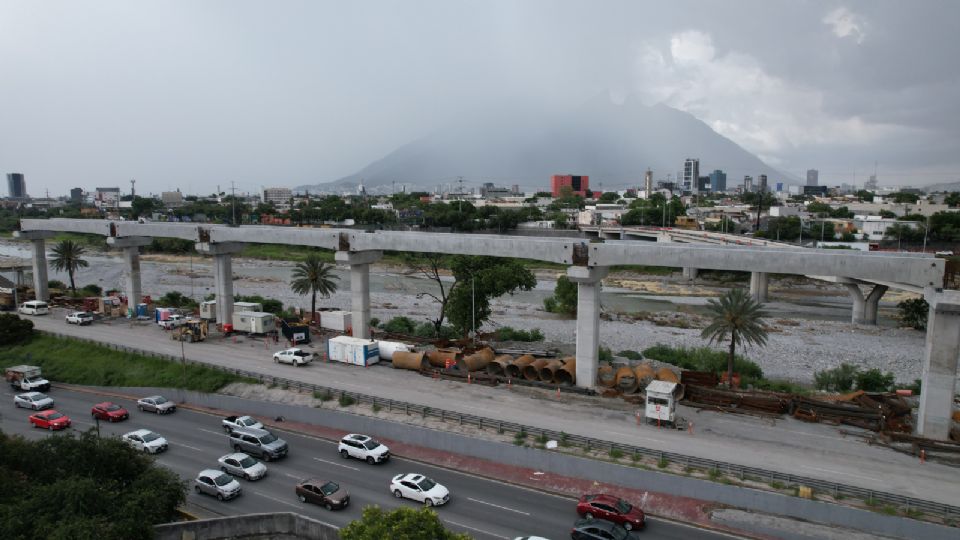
[
  {"x": 208, "y": 310},
  {"x": 387, "y": 348},
  {"x": 163, "y": 313},
  {"x": 254, "y": 322},
  {"x": 335, "y": 320},
  {"x": 295, "y": 331},
  {"x": 360, "y": 352}
]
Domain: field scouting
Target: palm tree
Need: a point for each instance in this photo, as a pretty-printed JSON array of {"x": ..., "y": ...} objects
[
  {"x": 313, "y": 276},
  {"x": 737, "y": 316},
  {"x": 66, "y": 258}
]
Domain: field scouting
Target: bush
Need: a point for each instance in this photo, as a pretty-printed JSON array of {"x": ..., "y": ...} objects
[
  {"x": 401, "y": 325},
  {"x": 14, "y": 330},
  {"x": 913, "y": 313},
  {"x": 374, "y": 322},
  {"x": 838, "y": 379},
  {"x": 56, "y": 284},
  {"x": 605, "y": 354},
  {"x": 506, "y": 333},
  {"x": 632, "y": 355},
  {"x": 874, "y": 380},
  {"x": 176, "y": 299},
  {"x": 91, "y": 290},
  {"x": 564, "y": 299},
  {"x": 703, "y": 359}
]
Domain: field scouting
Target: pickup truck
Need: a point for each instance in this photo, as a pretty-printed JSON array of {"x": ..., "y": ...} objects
[
  {"x": 231, "y": 423},
  {"x": 173, "y": 322},
  {"x": 27, "y": 379}
]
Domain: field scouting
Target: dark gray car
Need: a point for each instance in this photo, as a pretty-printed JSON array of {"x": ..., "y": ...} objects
[
  {"x": 258, "y": 442},
  {"x": 157, "y": 404},
  {"x": 598, "y": 529}
]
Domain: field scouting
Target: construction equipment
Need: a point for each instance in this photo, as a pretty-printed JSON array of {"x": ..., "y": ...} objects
[{"x": 193, "y": 330}]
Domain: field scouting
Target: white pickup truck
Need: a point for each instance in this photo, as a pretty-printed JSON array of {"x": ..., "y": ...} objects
[
  {"x": 173, "y": 322},
  {"x": 231, "y": 423}
]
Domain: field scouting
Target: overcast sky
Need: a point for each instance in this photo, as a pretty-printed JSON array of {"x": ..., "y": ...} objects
[{"x": 195, "y": 94}]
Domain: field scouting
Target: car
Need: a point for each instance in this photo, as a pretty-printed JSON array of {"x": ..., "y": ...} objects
[
  {"x": 327, "y": 494},
  {"x": 218, "y": 484},
  {"x": 296, "y": 357},
  {"x": 33, "y": 400},
  {"x": 146, "y": 441},
  {"x": 110, "y": 412},
  {"x": 419, "y": 488},
  {"x": 50, "y": 419},
  {"x": 242, "y": 465},
  {"x": 530, "y": 538},
  {"x": 173, "y": 322},
  {"x": 79, "y": 318},
  {"x": 363, "y": 447},
  {"x": 258, "y": 441},
  {"x": 157, "y": 404},
  {"x": 611, "y": 508},
  {"x": 598, "y": 529},
  {"x": 231, "y": 423}
]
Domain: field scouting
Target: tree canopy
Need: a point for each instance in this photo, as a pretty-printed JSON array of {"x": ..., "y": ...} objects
[
  {"x": 737, "y": 317},
  {"x": 313, "y": 277},
  {"x": 67, "y": 257},
  {"x": 403, "y": 523},
  {"x": 478, "y": 280}
]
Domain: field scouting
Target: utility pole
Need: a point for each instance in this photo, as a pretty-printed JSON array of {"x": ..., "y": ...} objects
[
  {"x": 460, "y": 194},
  {"x": 233, "y": 195},
  {"x": 133, "y": 191}
]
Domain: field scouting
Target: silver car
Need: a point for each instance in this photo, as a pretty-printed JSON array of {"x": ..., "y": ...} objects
[
  {"x": 243, "y": 466},
  {"x": 145, "y": 441},
  {"x": 33, "y": 400},
  {"x": 217, "y": 483},
  {"x": 259, "y": 442},
  {"x": 157, "y": 404}
]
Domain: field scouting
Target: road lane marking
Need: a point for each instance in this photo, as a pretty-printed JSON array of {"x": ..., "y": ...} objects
[
  {"x": 190, "y": 447},
  {"x": 292, "y": 476},
  {"x": 481, "y": 531},
  {"x": 831, "y": 471},
  {"x": 211, "y": 431},
  {"x": 337, "y": 464},
  {"x": 498, "y": 506},
  {"x": 281, "y": 501}
]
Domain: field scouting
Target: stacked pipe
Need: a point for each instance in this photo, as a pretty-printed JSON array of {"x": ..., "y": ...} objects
[
  {"x": 568, "y": 373},
  {"x": 548, "y": 373},
  {"x": 499, "y": 365},
  {"x": 515, "y": 370},
  {"x": 531, "y": 371},
  {"x": 644, "y": 373},
  {"x": 439, "y": 357},
  {"x": 476, "y": 361},
  {"x": 409, "y": 360},
  {"x": 606, "y": 376},
  {"x": 626, "y": 380}
]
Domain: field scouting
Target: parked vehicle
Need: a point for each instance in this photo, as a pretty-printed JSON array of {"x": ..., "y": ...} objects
[
  {"x": 172, "y": 322},
  {"x": 145, "y": 441},
  {"x": 610, "y": 508},
  {"x": 296, "y": 357},
  {"x": 111, "y": 412},
  {"x": 363, "y": 447},
  {"x": 80, "y": 318},
  {"x": 242, "y": 465},
  {"x": 50, "y": 420},
  {"x": 192, "y": 330},
  {"x": 33, "y": 400},
  {"x": 419, "y": 488},
  {"x": 259, "y": 442},
  {"x": 218, "y": 484},
  {"x": 157, "y": 404},
  {"x": 231, "y": 423},
  {"x": 34, "y": 307},
  {"x": 327, "y": 494},
  {"x": 27, "y": 379},
  {"x": 598, "y": 529}
]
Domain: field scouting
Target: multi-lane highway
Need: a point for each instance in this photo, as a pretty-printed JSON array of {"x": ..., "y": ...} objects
[{"x": 481, "y": 507}]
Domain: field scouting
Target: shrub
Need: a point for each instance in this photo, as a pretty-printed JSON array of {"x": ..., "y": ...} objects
[
  {"x": 874, "y": 380},
  {"x": 662, "y": 463},
  {"x": 56, "y": 284},
  {"x": 374, "y": 322},
  {"x": 913, "y": 313},
  {"x": 506, "y": 333},
  {"x": 346, "y": 401},
  {"x": 838, "y": 379},
  {"x": 176, "y": 299},
  {"x": 14, "y": 330},
  {"x": 632, "y": 355},
  {"x": 605, "y": 354},
  {"x": 564, "y": 299},
  {"x": 703, "y": 359},
  {"x": 400, "y": 325},
  {"x": 616, "y": 453},
  {"x": 91, "y": 290}
]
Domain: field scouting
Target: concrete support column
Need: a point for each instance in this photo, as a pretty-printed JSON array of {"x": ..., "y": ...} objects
[
  {"x": 359, "y": 263},
  {"x": 222, "y": 276},
  {"x": 759, "y": 283},
  {"x": 131, "y": 258},
  {"x": 690, "y": 273},
  {"x": 939, "y": 370},
  {"x": 588, "y": 321},
  {"x": 865, "y": 308},
  {"x": 39, "y": 260},
  {"x": 859, "y": 305}
]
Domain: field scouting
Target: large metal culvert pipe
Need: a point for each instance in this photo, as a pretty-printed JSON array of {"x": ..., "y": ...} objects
[
  {"x": 499, "y": 365},
  {"x": 549, "y": 370},
  {"x": 476, "y": 361},
  {"x": 567, "y": 374},
  {"x": 626, "y": 380},
  {"x": 515, "y": 370},
  {"x": 531, "y": 371},
  {"x": 606, "y": 376},
  {"x": 667, "y": 374},
  {"x": 644, "y": 373},
  {"x": 438, "y": 357},
  {"x": 409, "y": 360}
]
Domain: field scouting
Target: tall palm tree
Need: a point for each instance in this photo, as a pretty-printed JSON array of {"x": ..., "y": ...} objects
[
  {"x": 314, "y": 276},
  {"x": 737, "y": 316},
  {"x": 66, "y": 258}
]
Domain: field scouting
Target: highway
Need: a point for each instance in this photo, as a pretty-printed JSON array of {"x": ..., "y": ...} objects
[{"x": 480, "y": 507}]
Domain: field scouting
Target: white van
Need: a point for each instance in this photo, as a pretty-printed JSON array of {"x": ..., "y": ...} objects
[{"x": 34, "y": 307}]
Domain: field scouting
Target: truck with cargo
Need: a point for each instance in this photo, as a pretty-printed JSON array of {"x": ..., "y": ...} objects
[
  {"x": 26, "y": 378},
  {"x": 254, "y": 322},
  {"x": 350, "y": 350}
]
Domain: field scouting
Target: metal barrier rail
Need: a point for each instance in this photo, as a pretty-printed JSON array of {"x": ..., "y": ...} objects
[{"x": 742, "y": 472}]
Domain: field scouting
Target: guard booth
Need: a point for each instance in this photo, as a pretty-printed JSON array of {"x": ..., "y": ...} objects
[{"x": 662, "y": 398}]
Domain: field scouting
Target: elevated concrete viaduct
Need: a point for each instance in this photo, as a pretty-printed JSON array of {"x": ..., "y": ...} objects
[{"x": 589, "y": 264}]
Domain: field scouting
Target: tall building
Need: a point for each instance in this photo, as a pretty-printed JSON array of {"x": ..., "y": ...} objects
[
  {"x": 747, "y": 184},
  {"x": 76, "y": 195},
  {"x": 16, "y": 186},
  {"x": 648, "y": 182},
  {"x": 278, "y": 196},
  {"x": 762, "y": 183},
  {"x": 703, "y": 184},
  {"x": 813, "y": 177},
  {"x": 107, "y": 197},
  {"x": 871, "y": 184},
  {"x": 579, "y": 185},
  {"x": 691, "y": 173},
  {"x": 718, "y": 181}
]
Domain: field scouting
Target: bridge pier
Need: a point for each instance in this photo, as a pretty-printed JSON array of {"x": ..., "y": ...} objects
[
  {"x": 222, "y": 276},
  {"x": 40, "y": 281},
  {"x": 759, "y": 286},
  {"x": 690, "y": 272},
  {"x": 865, "y": 308},
  {"x": 131, "y": 258},
  {"x": 588, "y": 321},
  {"x": 938, "y": 381},
  {"x": 359, "y": 262}
]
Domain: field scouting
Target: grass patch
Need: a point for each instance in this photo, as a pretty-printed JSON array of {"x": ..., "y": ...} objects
[
  {"x": 564, "y": 439},
  {"x": 346, "y": 401},
  {"x": 322, "y": 396},
  {"x": 889, "y": 510},
  {"x": 871, "y": 502},
  {"x": 376, "y": 408},
  {"x": 911, "y": 513},
  {"x": 616, "y": 453},
  {"x": 715, "y": 474},
  {"x": 279, "y": 252},
  {"x": 662, "y": 463},
  {"x": 649, "y": 270},
  {"x": 777, "y": 485},
  {"x": 78, "y": 362}
]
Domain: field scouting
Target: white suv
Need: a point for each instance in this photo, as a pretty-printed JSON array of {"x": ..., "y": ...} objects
[{"x": 363, "y": 447}]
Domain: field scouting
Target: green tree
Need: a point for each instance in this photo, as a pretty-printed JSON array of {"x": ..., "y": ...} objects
[
  {"x": 144, "y": 206},
  {"x": 609, "y": 197},
  {"x": 736, "y": 316},
  {"x": 478, "y": 280},
  {"x": 176, "y": 299},
  {"x": 14, "y": 330},
  {"x": 564, "y": 299},
  {"x": 313, "y": 276},
  {"x": 914, "y": 312},
  {"x": 432, "y": 266},
  {"x": 67, "y": 258},
  {"x": 404, "y": 523},
  {"x": 953, "y": 199}
]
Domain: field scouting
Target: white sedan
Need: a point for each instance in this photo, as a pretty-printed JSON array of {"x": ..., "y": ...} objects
[
  {"x": 419, "y": 488},
  {"x": 145, "y": 441},
  {"x": 295, "y": 356},
  {"x": 33, "y": 400}
]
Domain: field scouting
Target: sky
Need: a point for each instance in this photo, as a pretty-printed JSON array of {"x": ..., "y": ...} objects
[{"x": 197, "y": 96}]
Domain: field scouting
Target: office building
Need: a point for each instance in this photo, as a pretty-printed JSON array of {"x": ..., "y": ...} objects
[
  {"x": 76, "y": 195},
  {"x": 579, "y": 185},
  {"x": 648, "y": 183},
  {"x": 16, "y": 186},
  {"x": 718, "y": 181},
  {"x": 813, "y": 177},
  {"x": 107, "y": 197},
  {"x": 779, "y": 187},
  {"x": 691, "y": 174},
  {"x": 762, "y": 183},
  {"x": 171, "y": 199},
  {"x": 277, "y": 196},
  {"x": 703, "y": 184},
  {"x": 747, "y": 184}
]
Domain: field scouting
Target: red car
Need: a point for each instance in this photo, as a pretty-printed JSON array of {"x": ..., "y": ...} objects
[
  {"x": 610, "y": 508},
  {"x": 50, "y": 419},
  {"x": 110, "y": 412}
]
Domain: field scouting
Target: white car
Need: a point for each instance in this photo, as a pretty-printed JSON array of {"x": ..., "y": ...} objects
[
  {"x": 296, "y": 357},
  {"x": 33, "y": 400},
  {"x": 145, "y": 441},
  {"x": 231, "y": 423},
  {"x": 419, "y": 488},
  {"x": 79, "y": 318},
  {"x": 242, "y": 465},
  {"x": 363, "y": 447}
]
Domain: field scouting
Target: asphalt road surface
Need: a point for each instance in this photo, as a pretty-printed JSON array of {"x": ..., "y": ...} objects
[{"x": 481, "y": 507}]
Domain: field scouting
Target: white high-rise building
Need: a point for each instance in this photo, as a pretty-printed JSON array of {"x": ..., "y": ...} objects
[
  {"x": 813, "y": 177},
  {"x": 691, "y": 174},
  {"x": 648, "y": 183}
]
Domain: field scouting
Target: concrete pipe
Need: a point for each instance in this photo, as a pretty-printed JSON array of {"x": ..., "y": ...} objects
[
  {"x": 439, "y": 357},
  {"x": 531, "y": 371},
  {"x": 626, "y": 380},
  {"x": 606, "y": 376},
  {"x": 645, "y": 374},
  {"x": 548, "y": 373},
  {"x": 667, "y": 374},
  {"x": 567, "y": 374},
  {"x": 515, "y": 370},
  {"x": 499, "y": 365},
  {"x": 476, "y": 361},
  {"x": 409, "y": 360}
]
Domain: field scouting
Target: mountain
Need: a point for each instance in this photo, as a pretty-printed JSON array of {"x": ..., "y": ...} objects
[
  {"x": 613, "y": 144},
  {"x": 947, "y": 187}
]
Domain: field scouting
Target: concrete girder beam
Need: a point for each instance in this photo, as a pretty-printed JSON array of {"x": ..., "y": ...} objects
[
  {"x": 588, "y": 321},
  {"x": 359, "y": 263},
  {"x": 128, "y": 241},
  {"x": 87, "y": 226},
  {"x": 938, "y": 379}
]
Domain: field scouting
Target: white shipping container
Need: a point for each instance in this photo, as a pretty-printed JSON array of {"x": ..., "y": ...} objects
[
  {"x": 208, "y": 310},
  {"x": 253, "y": 322},
  {"x": 248, "y": 306},
  {"x": 349, "y": 350},
  {"x": 335, "y": 320},
  {"x": 387, "y": 348}
]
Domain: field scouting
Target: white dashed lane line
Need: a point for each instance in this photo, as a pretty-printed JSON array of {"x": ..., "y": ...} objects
[
  {"x": 337, "y": 464},
  {"x": 498, "y": 506}
]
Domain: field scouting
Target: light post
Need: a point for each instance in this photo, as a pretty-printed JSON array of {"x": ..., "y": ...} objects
[
  {"x": 183, "y": 373},
  {"x": 473, "y": 306}
]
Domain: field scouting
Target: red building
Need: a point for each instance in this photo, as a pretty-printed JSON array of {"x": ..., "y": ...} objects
[{"x": 579, "y": 185}]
